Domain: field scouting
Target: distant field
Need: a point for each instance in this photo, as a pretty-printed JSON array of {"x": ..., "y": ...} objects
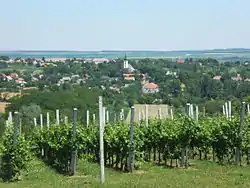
[
  {"x": 9, "y": 95},
  {"x": 3, "y": 106},
  {"x": 136, "y": 54},
  {"x": 153, "y": 111}
]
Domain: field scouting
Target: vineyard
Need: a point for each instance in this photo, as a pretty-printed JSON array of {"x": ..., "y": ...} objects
[
  {"x": 163, "y": 141},
  {"x": 168, "y": 142}
]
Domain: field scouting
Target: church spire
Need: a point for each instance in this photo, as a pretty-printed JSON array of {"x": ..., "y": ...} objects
[
  {"x": 125, "y": 62},
  {"x": 125, "y": 56}
]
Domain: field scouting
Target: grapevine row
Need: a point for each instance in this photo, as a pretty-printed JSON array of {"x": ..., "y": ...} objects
[
  {"x": 165, "y": 141},
  {"x": 162, "y": 141}
]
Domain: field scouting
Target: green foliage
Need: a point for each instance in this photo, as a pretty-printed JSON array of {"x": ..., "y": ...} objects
[
  {"x": 57, "y": 144},
  {"x": 14, "y": 157},
  {"x": 28, "y": 113},
  {"x": 166, "y": 136},
  {"x": 32, "y": 104},
  {"x": 4, "y": 58}
]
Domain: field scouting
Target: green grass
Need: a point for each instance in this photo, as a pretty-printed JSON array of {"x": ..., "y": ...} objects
[{"x": 200, "y": 174}]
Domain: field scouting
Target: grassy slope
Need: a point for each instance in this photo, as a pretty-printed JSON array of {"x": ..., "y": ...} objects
[{"x": 200, "y": 174}]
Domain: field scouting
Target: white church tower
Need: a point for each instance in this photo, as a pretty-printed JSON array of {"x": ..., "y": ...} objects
[{"x": 125, "y": 62}]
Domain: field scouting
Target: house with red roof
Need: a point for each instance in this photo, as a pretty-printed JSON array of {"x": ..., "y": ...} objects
[
  {"x": 217, "y": 77},
  {"x": 14, "y": 75},
  {"x": 150, "y": 88}
]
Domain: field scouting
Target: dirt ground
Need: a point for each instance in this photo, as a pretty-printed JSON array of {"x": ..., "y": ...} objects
[{"x": 3, "y": 106}]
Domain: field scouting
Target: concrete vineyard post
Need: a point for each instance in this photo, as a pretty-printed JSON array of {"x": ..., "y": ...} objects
[
  {"x": 230, "y": 110},
  {"x": 16, "y": 128},
  {"x": 171, "y": 113},
  {"x": 20, "y": 126},
  {"x": 187, "y": 111},
  {"x": 101, "y": 127},
  {"x": 146, "y": 115},
  {"x": 74, "y": 152},
  {"x": 107, "y": 116},
  {"x": 223, "y": 110},
  {"x": 7, "y": 123},
  {"x": 10, "y": 118},
  {"x": 122, "y": 115},
  {"x": 167, "y": 112},
  {"x": 35, "y": 122},
  {"x": 47, "y": 119},
  {"x": 191, "y": 111},
  {"x": 131, "y": 140},
  {"x": 93, "y": 118},
  {"x": 184, "y": 148},
  {"x": 87, "y": 118},
  {"x": 226, "y": 108},
  {"x": 66, "y": 120},
  {"x": 196, "y": 112},
  {"x": 248, "y": 109},
  {"x": 104, "y": 115},
  {"x": 57, "y": 117},
  {"x": 115, "y": 118},
  {"x": 41, "y": 126},
  {"x": 242, "y": 117},
  {"x": 41, "y": 121}
]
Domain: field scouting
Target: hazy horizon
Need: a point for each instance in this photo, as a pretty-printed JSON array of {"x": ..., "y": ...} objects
[{"x": 181, "y": 50}]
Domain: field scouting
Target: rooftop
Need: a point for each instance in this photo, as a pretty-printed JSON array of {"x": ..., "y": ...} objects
[{"x": 151, "y": 86}]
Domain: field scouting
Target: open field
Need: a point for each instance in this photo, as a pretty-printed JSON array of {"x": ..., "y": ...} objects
[
  {"x": 200, "y": 174},
  {"x": 3, "y": 105},
  {"x": 212, "y": 53},
  {"x": 153, "y": 111}
]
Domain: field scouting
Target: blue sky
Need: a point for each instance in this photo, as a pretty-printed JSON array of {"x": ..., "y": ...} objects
[{"x": 124, "y": 24}]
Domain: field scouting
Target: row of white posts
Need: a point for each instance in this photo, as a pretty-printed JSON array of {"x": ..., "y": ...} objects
[
  {"x": 41, "y": 118},
  {"x": 142, "y": 115},
  {"x": 190, "y": 111},
  {"x": 106, "y": 119},
  {"x": 227, "y": 110}
]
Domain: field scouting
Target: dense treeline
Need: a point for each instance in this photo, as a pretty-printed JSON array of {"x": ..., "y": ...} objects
[{"x": 192, "y": 81}]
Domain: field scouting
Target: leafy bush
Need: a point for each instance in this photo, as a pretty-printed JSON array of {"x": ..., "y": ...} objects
[
  {"x": 14, "y": 158},
  {"x": 57, "y": 145}
]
